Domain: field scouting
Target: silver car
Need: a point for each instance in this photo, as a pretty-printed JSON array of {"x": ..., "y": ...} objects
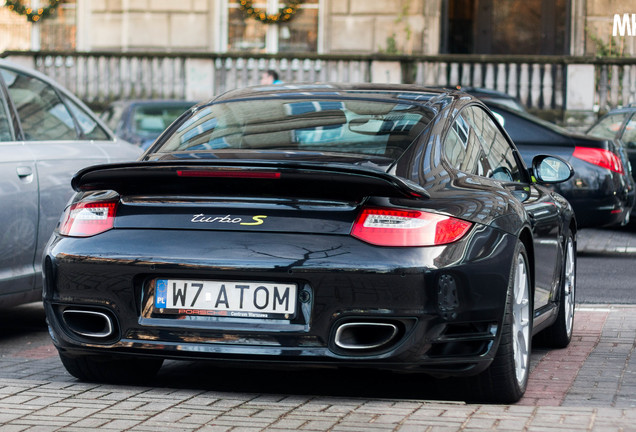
[{"x": 46, "y": 135}]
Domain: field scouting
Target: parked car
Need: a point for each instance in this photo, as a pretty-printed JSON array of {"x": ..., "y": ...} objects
[
  {"x": 620, "y": 125},
  {"x": 602, "y": 189},
  {"x": 369, "y": 226},
  {"x": 46, "y": 135},
  {"x": 142, "y": 121}
]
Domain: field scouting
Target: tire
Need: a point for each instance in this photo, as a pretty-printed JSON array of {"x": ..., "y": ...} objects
[
  {"x": 506, "y": 379},
  {"x": 114, "y": 370},
  {"x": 559, "y": 334}
]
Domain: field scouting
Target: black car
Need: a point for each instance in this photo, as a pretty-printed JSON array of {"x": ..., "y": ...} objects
[
  {"x": 620, "y": 125},
  {"x": 373, "y": 226},
  {"x": 602, "y": 189},
  {"x": 140, "y": 122}
]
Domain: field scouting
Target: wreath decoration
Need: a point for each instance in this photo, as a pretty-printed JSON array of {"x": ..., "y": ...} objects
[
  {"x": 33, "y": 15},
  {"x": 284, "y": 14}
]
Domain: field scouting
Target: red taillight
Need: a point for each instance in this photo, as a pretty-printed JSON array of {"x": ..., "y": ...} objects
[
  {"x": 85, "y": 219},
  {"x": 385, "y": 227},
  {"x": 600, "y": 157}
]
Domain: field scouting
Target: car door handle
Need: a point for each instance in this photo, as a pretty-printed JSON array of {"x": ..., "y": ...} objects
[{"x": 24, "y": 171}]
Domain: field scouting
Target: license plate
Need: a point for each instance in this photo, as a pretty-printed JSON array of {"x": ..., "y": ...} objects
[{"x": 237, "y": 299}]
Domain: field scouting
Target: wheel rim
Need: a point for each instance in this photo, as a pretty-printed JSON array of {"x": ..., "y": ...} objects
[
  {"x": 521, "y": 320},
  {"x": 569, "y": 286}
]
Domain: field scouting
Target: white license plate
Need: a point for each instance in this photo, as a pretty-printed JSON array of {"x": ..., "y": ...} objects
[{"x": 238, "y": 299}]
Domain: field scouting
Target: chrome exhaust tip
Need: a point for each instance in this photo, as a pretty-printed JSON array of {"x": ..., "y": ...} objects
[
  {"x": 364, "y": 335},
  {"x": 88, "y": 323}
]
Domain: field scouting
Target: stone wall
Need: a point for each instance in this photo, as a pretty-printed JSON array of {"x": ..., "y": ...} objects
[
  {"x": 393, "y": 26},
  {"x": 147, "y": 25},
  {"x": 599, "y": 23}
]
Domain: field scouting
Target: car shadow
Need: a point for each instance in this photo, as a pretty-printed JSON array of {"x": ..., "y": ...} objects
[
  {"x": 353, "y": 383},
  {"x": 22, "y": 320}
]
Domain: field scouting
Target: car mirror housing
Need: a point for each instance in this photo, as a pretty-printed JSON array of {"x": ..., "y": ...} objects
[{"x": 551, "y": 169}]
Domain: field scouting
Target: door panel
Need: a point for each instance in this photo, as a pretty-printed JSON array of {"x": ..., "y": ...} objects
[
  {"x": 544, "y": 214},
  {"x": 18, "y": 217}
]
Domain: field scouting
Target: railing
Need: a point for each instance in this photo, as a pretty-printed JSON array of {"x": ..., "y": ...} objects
[
  {"x": 539, "y": 82},
  {"x": 615, "y": 82}
]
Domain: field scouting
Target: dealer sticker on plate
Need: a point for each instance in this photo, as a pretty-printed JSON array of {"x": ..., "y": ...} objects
[{"x": 238, "y": 299}]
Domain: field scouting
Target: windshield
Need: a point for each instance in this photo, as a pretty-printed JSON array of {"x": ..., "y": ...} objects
[
  {"x": 354, "y": 126},
  {"x": 152, "y": 119}
]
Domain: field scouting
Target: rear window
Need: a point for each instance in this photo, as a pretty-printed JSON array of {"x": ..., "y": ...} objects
[{"x": 365, "y": 127}]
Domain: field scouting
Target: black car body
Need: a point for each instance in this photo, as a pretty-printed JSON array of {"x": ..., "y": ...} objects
[
  {"x": 140, "y": 122},
  {"x": 602, "y": 189},
  {"x": 328, "y": 225}
]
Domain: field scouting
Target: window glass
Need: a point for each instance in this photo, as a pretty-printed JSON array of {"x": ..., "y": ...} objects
[
  {"x": 90, "y": 128},
  {"x": 300, "y": 34},
  {"x": 112, "y": 116},
  {"x": 456, "y": 143},
  {"x": 629, "y": 136},
  {"x": 498, "y": 159},
  {"x": 461, "y": 147},
  {"x": 41, "y": 112},
  {"x": 5, "y": 125},
  {"x": 152, "y": 119},
  {"x": 608, "y": 126},
  {"x": 358, "y": 126}
]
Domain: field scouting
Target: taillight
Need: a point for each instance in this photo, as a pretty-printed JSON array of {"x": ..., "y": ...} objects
[
  {"x": 600, "y": 157},
  {"x": 388, "y": 227},
  {"x": 85, "y": 219}
]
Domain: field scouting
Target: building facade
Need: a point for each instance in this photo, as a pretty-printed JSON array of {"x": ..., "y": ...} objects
[{"x": 417, "y": 27}]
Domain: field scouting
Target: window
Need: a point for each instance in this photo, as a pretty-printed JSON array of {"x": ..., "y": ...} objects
[
  {"x": 360, "y": 126},
  {"x": 461, "y": 147},
  {"x": 5, "y": 125},
  {"x": 90, "y": 128},
  {"x": 629, "y": 136},
  {"x": 300, "y": 34},
  {"x": 609, "y": 125},
  {"x": 498, "y": 159},
  {"x": 41, "y": 112}
]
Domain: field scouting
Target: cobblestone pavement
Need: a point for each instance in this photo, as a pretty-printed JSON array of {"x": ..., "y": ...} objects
[{"x": 589, "y": 386}]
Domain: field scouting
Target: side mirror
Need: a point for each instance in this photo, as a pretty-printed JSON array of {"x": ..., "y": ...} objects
[{"x": 551, "y": 169}]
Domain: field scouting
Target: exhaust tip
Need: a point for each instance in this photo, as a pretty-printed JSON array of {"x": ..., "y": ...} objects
[
  {"x": 88, "y": 323},
  {"x": 365, "y": 335}
]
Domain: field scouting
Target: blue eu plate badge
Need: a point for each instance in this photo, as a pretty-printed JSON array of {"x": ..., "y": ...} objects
[{"x": 161, "y": 294}]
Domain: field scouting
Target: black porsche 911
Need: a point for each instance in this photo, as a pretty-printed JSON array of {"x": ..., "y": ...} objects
[{"x": 377, "y": 226}]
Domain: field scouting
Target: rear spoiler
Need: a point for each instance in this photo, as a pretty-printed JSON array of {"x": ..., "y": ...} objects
[{"x": 253, "y": 178}]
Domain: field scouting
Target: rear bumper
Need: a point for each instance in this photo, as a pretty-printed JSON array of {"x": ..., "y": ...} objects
[{"x": 446, "y": 302}]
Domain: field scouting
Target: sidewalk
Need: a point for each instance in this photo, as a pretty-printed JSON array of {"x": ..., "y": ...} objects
[
  {"x": 589, "y": 386},
  {"x": 607, "y": 241}
]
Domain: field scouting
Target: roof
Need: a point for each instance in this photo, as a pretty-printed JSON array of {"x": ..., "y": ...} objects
[{"x": 425, "y": 96}]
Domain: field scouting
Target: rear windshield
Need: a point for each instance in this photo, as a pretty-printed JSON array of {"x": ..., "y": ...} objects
[{"x": 364, "y": 127}]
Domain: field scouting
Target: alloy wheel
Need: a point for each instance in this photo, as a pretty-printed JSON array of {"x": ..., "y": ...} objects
[
  {"x": 569, "y": 286},
  {"x": 521, "y": 320}
]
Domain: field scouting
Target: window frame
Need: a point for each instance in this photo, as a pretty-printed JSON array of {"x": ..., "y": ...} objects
[{"x": 272, "y": 30}]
